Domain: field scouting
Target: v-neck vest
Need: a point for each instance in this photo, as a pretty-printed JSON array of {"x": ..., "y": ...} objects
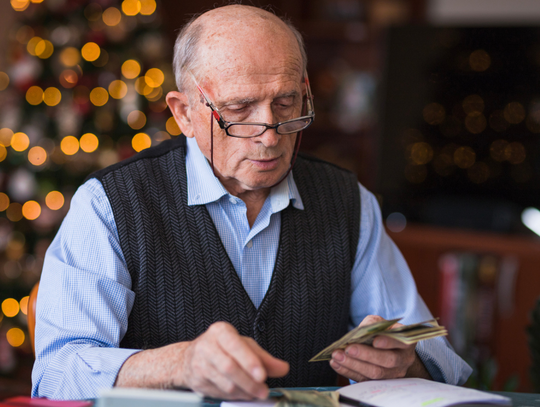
[{"x": 184, "y": 281}]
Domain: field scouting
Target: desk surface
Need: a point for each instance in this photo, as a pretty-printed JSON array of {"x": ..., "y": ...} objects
[{"x": 518, "y": 399}]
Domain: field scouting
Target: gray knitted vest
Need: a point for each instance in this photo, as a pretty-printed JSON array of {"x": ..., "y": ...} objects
[{"x": 184, "y": 280}]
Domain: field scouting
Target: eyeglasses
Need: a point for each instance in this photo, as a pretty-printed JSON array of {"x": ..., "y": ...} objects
[{"x": 248, "y": 130}]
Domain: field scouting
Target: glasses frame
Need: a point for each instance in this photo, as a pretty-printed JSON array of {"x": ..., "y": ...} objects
[{"x": 224, "y": 124}]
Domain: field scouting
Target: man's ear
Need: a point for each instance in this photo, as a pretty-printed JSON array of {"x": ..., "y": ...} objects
[{"x": 179, "y": 104}]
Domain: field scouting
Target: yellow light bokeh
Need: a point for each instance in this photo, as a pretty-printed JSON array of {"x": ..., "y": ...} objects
[
  {"x": 514, "y": 112},
  {"x": 131, "y": 7},
  {"x": 154, "y": 77},
  {"x": 54, "y": 200},
  {"x": 31, "y": 210},
  {"x": 69, "y": 145},
  {"x": 90, "y": 51},
  {"x": 4, "y": 202},
  {"x": 32, "y": 44},
  {"x": 3, "y": 153},
  {"x": 24, "y": 305},
  {"x": 464, "y": 157},
  {"x": 10, "y": 307},
  {"x": 24, "y": 34},
  {"x": 111, "y": 16},
  {"x": 99, "y": 96},
  {"x": 136, "y": 119},
  {"x": 4, "y": 80},
  {"x": 172, "y": 127},
  {"x": 20, "y": 141},
  {"x": 37, "y": 156},
  {"x": 131, "y": 69},
  {"x": 421, "y": 153},
  {"x": 155, "y": 95},
  {"x": 70, "y": 56},
  {"x": 434, "y": 113},
  {"x": 479, "y": 60},
  {"x": 141, "y": 141},
  {"x": 15, "y": 337},
  {"x": 89, "y": 142},
  {"x": 34, "y": 95},
  {"x": 68, "y": 78},
  {"x": 52, "y": 96},
  {"x": 148, "y": 7},
  {"x": 20, "y": 5},
  {"x": 5, "y": 136},
  {"x": 14, "y": 212},
  {"x": 141, "y": 87},
  {"x": 118, "y": 89},
  {"x": 44, "y": 49},
  {"x": 36, "y": 1}
]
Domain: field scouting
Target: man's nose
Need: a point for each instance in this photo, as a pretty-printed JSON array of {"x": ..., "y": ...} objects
[{"x": 270, "y": 137}]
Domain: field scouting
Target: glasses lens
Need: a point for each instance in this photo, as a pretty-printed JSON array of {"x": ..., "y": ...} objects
[
  {"x": 294, "y": 125},
  {"x": 245, "y": 130}
]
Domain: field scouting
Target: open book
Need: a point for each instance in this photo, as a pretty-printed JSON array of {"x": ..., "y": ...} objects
[{"x": 384, "y": 393}]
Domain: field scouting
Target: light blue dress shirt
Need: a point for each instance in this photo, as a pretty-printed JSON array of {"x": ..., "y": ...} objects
[{"x": 85, "y": 292}]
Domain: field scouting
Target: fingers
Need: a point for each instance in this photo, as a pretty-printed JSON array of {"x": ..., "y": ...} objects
[
  {"x": 371, "y": 319},
  {"x": 385, "y": 342},
  {"x": 274, "y": 367}
]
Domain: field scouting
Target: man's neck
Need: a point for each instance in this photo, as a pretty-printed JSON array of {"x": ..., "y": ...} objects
[{"x": 254, "y": 200}]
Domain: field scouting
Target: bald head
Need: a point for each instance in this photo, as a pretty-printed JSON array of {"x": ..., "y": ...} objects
[{"x": 218, "y": 38}]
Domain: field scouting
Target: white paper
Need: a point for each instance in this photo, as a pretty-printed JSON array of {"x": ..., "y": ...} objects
[{"x": 417, "y": 393}]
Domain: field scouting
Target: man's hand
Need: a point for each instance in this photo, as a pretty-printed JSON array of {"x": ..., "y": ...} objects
[
  {"x": 387, "y": 358},
  {"x": 220, "y": 363}
]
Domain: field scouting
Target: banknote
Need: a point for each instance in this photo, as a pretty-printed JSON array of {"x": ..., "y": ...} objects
[
  {"x": 307, "y": 398},
  {"x": 407, "y": 334}
]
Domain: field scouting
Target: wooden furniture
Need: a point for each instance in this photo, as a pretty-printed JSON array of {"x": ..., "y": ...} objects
[
  {"x": 422, "y": 247},
  {"x": 32, "y": 315}
]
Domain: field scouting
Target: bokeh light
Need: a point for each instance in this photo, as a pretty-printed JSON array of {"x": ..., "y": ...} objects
[
  {"x": 141, "y": 86},
  {"x": 20, "y": 141},
  {"x": 32, "y": 44},
  {"x": 10, "y": 307},
  {"x": 421, "y": 153},
  {"x": 70, "y": 56},
  {"x": 434, "y": 113},
  {"x": 89, "y": 142},
  {"x": 90, "y": 51},
  {"x": 118, "y": 89},
  {"x": 131, "y": 69},
  {"x": 155, "y": 94},
  {"x": 141, "y": 141},
  {"x": 479, "y": 60},
  {"x": 20, "y": 5},
  {"x": 14, "y": 212},
  {"x": 5, "y": 136},
  {"x": 172, "y": 127},
  {"x": 44, "y": 49},
  {"x": 15, "y": 337},
  {"x": 478, "y": 173},
  {"x": 111, "y": 16},
  {"x": 514, "y": 112},
  {"x": 24, "y": 34},
  {"x": 498, "y": 150},
  {"x": 24, "y": 305},
  {"x": 475, "y": 122},
  {"x": 3, "y": 153},
  {"x": 473, "y": 103},
  {"x": 68, "y": 78},
  {"x": 154, "y": 77},
  {"x": 497, "y": 121},
  {"x": 99, "y": 96},
  {"x": 34, "y": 95},
  {"x": 69, "y": 145},
  {"x": 136, "y": 119},
  {"x": 31, "y": 210},
  {"x": 54, "y": 200},
  {"x": 52, "y": 96},
  {"x": 37, "y": 156},
  {"x": 4, "y": 80},
  {"x": 131, "y": 7},
  {"x": 464, "y": 157},
  {"x": 515, "y": 152},
  {"x": 148, "y": 7},
  {"x": 4, "y": 202}
]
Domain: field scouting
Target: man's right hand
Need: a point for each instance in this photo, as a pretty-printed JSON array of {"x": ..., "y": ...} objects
[{"x": 220, "y": 363}]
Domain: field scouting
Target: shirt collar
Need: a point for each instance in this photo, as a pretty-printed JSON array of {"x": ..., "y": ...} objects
[{"x": 204, "y": 187}]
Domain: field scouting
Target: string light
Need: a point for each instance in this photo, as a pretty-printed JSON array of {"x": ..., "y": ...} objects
[
  {"x": 131, "y": 69},
  {"x": 111, "y": 16},
  {"x": 20, "y": 142},
  {"x": 99, "y": 96},
  {"x": 34, "y": 95},
  {"x": 24, "y": 305},
  {"x": 10, "y": 307},
  {"x": 31, "y": 210},
  {"x": 89, "y": 142},
  {"x": 4, "y": 81},
  {"x": 131, "y": 7},
  {"x": 141, "y": 141},
  {"x": 69, "y": 145},
  {"x": 148, "y": 7},
  {"x": 52, "y": 96},
  {"x": 5, "y": 136},
  {"x": 37, "y": 156},
  {"x": 54, "y": 200},
  {"x": 14, "y": 212},
  {"x": 15, "y": 337},
  {"x": 172, "y": 127},
  {"x": 136, "y": 119},
  {"x": 70, "y": 56},
  {"x": 118, "y": 89},
  {"x": 4, "y": 202},
  {"x": 90, "y": 51}
]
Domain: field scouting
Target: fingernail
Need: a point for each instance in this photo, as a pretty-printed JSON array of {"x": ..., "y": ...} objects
[
  {"x": 352, "y": 351},
  {"x": 339, "y": 356},
  {"x": 263, "y": 394},
  {"x": 258, "y": 374},
  {"x": 335, "y": 364}
]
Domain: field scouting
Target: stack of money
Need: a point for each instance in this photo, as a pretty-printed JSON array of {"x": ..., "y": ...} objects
[
  {"x": 307, "y": 398},
  {"x": 407, "y": 334}
]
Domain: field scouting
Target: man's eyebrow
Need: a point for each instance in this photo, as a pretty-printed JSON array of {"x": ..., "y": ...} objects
[{"x": 249, "y": 100}]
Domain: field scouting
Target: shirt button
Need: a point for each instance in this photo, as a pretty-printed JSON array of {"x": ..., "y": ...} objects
[
  {"x": 249, "y": 244},
  {"x": 261, "y": 325},
  {"x": 232, "y": 200}
]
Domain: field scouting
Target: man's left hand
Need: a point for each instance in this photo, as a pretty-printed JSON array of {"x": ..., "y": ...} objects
[{"x": 387, "y": 358}]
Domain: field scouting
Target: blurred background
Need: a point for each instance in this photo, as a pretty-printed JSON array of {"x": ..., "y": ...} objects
[{"x": 434, "y": 104}]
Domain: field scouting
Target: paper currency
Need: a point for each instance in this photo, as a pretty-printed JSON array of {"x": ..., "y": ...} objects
[
  {"x": 407, "y": 334},
  {"x": 307, "y": 398}
]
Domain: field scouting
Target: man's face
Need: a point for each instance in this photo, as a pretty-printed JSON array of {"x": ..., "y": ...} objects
[{"x": 256, "y": 85}]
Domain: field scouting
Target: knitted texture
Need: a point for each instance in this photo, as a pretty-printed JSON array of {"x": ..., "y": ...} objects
[{"x": 184, "y": 280}]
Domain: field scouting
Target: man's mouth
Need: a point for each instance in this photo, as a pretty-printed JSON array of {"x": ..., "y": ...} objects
[{"x": 266, "y": 164}]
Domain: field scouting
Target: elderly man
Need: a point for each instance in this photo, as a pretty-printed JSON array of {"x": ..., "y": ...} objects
[{"x": 205, "y": 263}]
